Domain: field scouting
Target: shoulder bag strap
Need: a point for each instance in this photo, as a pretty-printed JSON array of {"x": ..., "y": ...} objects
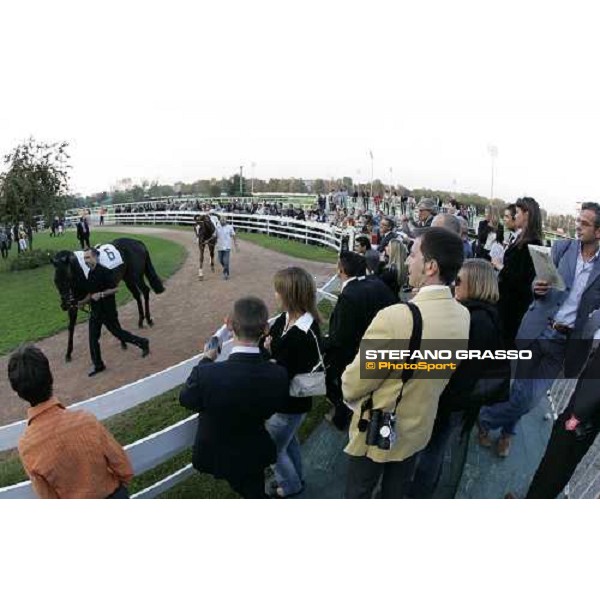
[
  {"x": 320, "y": 363},
  {"x": 413, "y": 345}
]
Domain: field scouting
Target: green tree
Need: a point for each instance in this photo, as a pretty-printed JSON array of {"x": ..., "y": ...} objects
[
  {"x": 36, "y": 182},
  {"x": 319, "y": 186}
]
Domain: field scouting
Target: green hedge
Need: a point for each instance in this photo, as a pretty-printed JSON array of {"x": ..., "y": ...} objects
[{"x": 31, "y": 259}]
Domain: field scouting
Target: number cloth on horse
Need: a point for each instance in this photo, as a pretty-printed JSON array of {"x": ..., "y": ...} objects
[{"x": 109, "y": 257}]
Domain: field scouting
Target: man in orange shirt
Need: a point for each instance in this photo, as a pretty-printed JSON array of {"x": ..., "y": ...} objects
[{"x": 66, "y": 454}]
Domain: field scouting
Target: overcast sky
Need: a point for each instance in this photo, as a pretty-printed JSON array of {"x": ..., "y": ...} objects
[{"x": 171, "y": 91}]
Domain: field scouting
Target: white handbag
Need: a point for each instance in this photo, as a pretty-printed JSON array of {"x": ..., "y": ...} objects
[{"x": 310, "y": 384}]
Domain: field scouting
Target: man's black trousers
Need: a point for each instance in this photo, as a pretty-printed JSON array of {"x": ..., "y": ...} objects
[
  {"x": 365, "y": 475},
  {"x": 563, "y": 453},
  {"x": 111, "y": 322}
]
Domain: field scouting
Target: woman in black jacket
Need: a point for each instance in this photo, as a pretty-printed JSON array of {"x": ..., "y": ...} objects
[
  {"x": 474, "y": 382},
  {"x": 294, "y": 342},
  {"x": 517, "y": 274}
]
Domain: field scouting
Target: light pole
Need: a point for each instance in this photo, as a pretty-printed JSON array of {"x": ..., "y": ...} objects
[
  {"x": 493, "y": 152},
  {"x": 241, "y": 180},
  {"x": 371, "y": 155},
  {"x": 391, "y": 179},
  {"x": 252, "y": 184}
]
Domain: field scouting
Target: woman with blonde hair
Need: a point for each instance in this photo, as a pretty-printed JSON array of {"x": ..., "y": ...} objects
[
  {"x": 475, "y": 382},
  {"x": 395, "y": 273},
  {"x": 294, "y": 342}
]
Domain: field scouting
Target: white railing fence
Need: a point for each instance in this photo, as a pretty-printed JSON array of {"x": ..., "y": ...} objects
[
  {"x": 308, "y": 232},
  {"x": 154, "y": 449}
]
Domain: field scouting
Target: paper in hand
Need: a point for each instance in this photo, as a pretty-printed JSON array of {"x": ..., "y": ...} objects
[{"x": 544, "y": 267}]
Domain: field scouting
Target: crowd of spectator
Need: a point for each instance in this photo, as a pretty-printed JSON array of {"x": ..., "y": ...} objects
[
  {"x": 412, "y": 281},
  {"x": 19, "y": 235}
]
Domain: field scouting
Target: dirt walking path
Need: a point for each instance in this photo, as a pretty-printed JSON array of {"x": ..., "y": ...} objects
[{"x": 185, "y": 315}]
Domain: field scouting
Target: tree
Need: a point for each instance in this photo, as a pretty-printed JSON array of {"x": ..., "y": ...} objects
[
  {"x": 319, "y": 186},
  {"x": 36, "y": 182}
]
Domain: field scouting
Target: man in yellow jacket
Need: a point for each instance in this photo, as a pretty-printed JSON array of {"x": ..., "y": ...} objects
[{"x": 435, "y": 258}]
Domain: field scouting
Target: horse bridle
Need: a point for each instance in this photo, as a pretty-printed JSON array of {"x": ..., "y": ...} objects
[{"x": 213, "y": 236}]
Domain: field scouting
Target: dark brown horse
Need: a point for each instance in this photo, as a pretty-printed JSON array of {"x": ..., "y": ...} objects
[
  {"x": 71, "y": 282},
  {"x": 206, "y": 233}
]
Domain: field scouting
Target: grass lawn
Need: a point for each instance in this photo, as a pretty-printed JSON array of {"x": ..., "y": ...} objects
[
  {"x": 29, "y": 303},
  {"x": 291, "y": 247}
]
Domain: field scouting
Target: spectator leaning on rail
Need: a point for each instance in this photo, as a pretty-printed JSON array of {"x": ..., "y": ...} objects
[
  {"x": 474, "y": 382},
  {"x": 554, "y": 327},
  {"x": 66, "y": 453},
  {"x": 359, "y": 301},
  {"x": 235, "y": 398},
  {"x": 434, "y": 261},
  {"x": 294, "y": 342},
  {"x": 427, "y": 208}
]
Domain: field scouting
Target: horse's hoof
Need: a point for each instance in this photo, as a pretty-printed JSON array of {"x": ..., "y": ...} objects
[
  {"x": 123, "y": 346},
  {"x": 68, "y": 358},
  {"x": 150, "y": 323},
  {"x": 141, "y": 324}
]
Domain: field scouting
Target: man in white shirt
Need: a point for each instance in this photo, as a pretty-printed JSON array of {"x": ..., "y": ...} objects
[{"x": 225, "y": 237}]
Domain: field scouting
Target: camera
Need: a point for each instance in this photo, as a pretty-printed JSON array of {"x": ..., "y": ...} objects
[
  {"x": 380, "y": 430},
  {"x": 213, "y": 344}
]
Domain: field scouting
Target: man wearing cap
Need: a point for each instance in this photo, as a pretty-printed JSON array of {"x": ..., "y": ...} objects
[{"x": 427, "y": 210}]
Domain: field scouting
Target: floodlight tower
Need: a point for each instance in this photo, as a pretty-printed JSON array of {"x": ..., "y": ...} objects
[{"x": 493, "y": 152}]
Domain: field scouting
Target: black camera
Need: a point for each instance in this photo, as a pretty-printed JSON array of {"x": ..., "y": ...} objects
[{"x": 380, "y": 430}]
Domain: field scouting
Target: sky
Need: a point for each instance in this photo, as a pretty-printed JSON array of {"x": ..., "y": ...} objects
[{"x": 179, "y": 92}]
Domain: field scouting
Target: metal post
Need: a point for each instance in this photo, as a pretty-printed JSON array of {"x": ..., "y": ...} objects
[
  {"x": 493, "y": 151},
  {"x": 241, "y": 180},
  {"x": 371, "y": 154}
]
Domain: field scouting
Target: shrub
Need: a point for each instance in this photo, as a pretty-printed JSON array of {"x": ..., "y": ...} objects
[{"x": 31, "y": 259}]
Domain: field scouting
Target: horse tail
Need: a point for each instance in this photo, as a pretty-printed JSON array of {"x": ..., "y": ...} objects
[{"x": 151, "y": 275}]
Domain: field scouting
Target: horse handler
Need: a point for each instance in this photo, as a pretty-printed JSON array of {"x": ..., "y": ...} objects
[
  {"x": 101, "y": 296},
  {"x": 225, "y": 235}
]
